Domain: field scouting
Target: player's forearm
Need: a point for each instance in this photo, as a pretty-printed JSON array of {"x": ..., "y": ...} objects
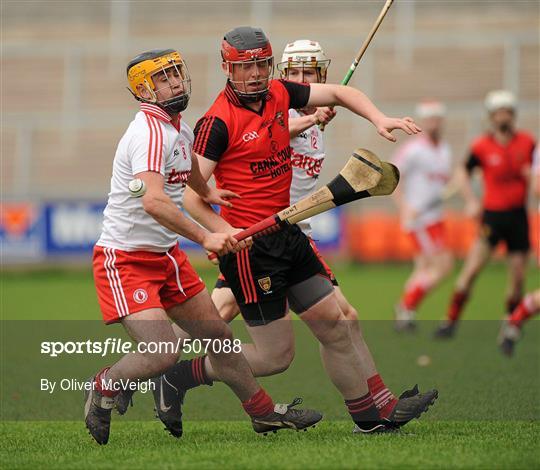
[
  {"x": 196, "y": 181},
  {"x": 465, "y": 186},
  {"x": 358, "y": 103},
  {"x": 300, "y": 124},
  {"x": 165, "y": 212},
  {"x": 203, "y": 213},
  {"x": 348, "y": 97}
]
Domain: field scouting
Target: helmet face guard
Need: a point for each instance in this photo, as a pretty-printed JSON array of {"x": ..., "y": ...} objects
[
  {"x": 259, "y": 72},
  {"x": 166, "y": 71},
  {"x": 247, "y": 53},
  {"x": 304, "y": 54},
  {"x": 320, "y": 66}
]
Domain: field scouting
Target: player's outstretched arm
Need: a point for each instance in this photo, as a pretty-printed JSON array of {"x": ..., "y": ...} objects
[
  {"x": 357, "y": 102},
  {"x": 160, "y": 206}
]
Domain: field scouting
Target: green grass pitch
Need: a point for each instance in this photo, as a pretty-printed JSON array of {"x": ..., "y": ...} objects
[{"x": 487, "y": 415}]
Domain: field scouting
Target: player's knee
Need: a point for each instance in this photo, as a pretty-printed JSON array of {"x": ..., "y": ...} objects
[
  {"x": 221, "y": 332},
  {"x": 228, "y": 311},
  {"x": 279, "y": 359},
  {"x": 350, "y": 312},
  {"x": 334, "y": 332}
]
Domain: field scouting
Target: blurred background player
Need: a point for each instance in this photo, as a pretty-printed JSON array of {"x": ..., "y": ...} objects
[
  {"x": 504, "y": 155},
  {"x": 143, "y": 279},
  {"x": 511, "y": 327},
  {"x": 425, "y": 163},
  {"x": 530, "y": 304}
]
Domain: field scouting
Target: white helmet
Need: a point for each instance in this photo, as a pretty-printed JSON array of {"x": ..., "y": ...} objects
[
  {"x": 304, "y": 53},
  {"x": 498, "y": 99},
  {"x": 430, "y": 108}
]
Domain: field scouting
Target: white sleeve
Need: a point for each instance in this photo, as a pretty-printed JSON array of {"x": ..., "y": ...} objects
[
  {"x": 293, "y": 113},
  {"x": 146, "y": 150}
]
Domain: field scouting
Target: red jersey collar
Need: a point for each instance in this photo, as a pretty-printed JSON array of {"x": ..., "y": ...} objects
[
  {"x": 231, "y": 95},
  {"x": 156, "y": 111}
]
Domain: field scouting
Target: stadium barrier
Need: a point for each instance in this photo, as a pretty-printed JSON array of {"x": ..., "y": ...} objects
[
  {"x": 35, "y": 232},
  {"x": 377, "y": 236}
]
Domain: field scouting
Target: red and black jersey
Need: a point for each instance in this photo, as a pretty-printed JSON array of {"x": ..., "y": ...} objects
[
  {"x": 251, "y": 149},
  {"x": 503, "y": 169}
]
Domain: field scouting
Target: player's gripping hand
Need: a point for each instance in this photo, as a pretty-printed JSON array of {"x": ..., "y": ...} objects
[
  {"x": 220, "y": 243},
  {"x": 219, "y": 196},
  {"x": 385, "y": 125},
  {"x": 243, "y": 244},
  {"x": 324, "y": 115}
]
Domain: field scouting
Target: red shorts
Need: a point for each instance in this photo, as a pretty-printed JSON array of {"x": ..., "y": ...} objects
[
  {"x": 429, "y": 239},
  {"x": 323, "y": 262},
  {"x": 131, "y": 281}
]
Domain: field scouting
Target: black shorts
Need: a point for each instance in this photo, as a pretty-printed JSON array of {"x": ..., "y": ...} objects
[
  {"x": 221, "y": 282},
  {"x": 510, "y": 226},
  {"x": 261, "y": 276}
]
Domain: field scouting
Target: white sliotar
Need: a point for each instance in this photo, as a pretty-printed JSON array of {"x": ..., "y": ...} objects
[{"x": 137, "y": 188}]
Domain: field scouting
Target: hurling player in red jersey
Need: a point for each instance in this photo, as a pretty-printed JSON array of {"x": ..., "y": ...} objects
[
  {"x": 243, "y": 141},
  {"x": 304, "y": 61},
  {"x": 504, "y": 155}
]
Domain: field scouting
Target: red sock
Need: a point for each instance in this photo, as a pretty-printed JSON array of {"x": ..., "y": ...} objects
[
  {"x": 384, "y": 399},
  {"x": 259, "y": 404},
  {"x": 102, "y": 384},
  {"x": 456, "y": 305},
  {"x": 413, "y": 296},
  {"x": 524, "y": 310}
]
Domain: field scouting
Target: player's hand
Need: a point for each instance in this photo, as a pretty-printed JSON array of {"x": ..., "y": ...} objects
[
  {"x": 219, "y": 196},
  {"x": 386, "y": 125},
  {"x": 219, "y": 243},
  {"x": 473, "y": 209},
  {"x": 243, "y": 244},
  {"x": 324, "y": 115}
]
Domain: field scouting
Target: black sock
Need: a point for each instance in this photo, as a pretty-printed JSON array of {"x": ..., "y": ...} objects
[
  {"x": 363, "y": 411},
  {"x": 188, "y": 374}
]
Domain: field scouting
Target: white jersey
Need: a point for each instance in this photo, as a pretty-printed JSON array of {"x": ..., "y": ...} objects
[
  {"x": 425, "y": 170},
  {"x": 307, "y": 159},
  {"x": 151, "y": 143}
]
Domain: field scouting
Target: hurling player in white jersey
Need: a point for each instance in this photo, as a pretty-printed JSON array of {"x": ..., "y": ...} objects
[
  {"x": 144, "y": 280},
  {"x": 305, "y": 61},
  {"x": 425, "y": 163}
]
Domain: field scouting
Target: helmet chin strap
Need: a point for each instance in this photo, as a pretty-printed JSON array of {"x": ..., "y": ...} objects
[
  {"x": 175, "y": 105},
  {"x": 249, "y": 97}
]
